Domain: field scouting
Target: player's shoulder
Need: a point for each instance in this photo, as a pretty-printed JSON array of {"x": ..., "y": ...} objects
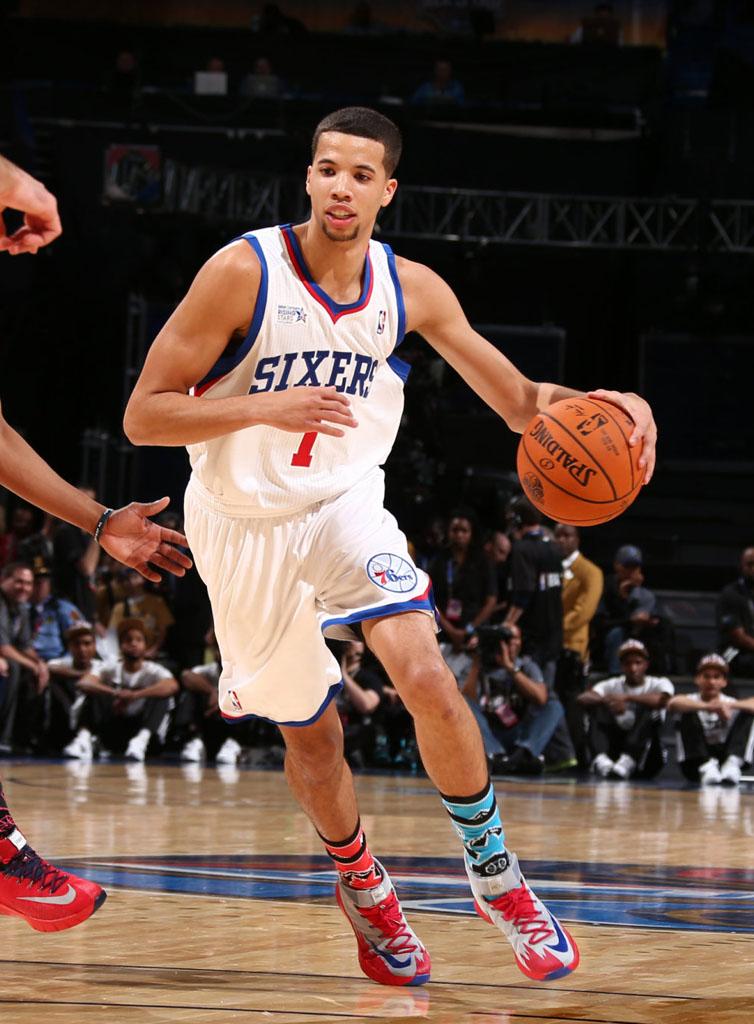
[
  {"x": 414, "y": 275},
  {"x": 237, "y": 256}
]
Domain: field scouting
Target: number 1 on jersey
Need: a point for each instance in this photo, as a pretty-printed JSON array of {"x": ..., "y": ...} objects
[{"x": 303, "y": 457}]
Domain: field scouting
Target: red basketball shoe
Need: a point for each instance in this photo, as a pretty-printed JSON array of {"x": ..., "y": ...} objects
[
  {"x": 46, "y": 898},
  {"x": 389, "y": 950},
  {"x": 542, "y": 947}
]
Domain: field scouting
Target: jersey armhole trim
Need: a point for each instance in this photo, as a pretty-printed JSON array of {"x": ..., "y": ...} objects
[{"x": 225, "y": 364}]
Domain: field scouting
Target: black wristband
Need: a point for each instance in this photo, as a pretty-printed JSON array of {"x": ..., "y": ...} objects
[{"x": 102, "y": 520}]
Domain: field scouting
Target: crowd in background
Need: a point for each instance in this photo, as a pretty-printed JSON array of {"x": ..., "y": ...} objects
[{"x": 563, "y": 666}]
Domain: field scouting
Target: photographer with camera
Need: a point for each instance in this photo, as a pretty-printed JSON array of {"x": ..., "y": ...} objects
[{"x": 516, "y": 711}]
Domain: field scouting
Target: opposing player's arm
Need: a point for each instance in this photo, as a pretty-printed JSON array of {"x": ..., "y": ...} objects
[
  {"x": 433, "y": 310},
  {"x": 218, "y": 307}
]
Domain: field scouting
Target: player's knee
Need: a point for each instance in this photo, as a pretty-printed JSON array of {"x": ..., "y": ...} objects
[
  {"x": 428, "y": 685},
  {"x": 316, "y": 757}
]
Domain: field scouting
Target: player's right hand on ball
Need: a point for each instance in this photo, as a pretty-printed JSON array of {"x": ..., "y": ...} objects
[{"x": 302, "y": 409}]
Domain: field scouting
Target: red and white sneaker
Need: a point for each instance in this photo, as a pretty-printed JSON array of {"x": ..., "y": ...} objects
[
  {"x": 46, "y": 898},
  {"x": 389, "y": 951},
  {"x": 542, "y": 947}
]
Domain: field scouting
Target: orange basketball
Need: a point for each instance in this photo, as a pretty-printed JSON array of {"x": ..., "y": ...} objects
[{"x": 575, "y": 463}]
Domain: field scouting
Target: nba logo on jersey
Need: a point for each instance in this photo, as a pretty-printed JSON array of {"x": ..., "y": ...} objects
[
  {"x": 381, "y": 318},
  {"x": 391, "y": 572},
  {"x": 234, "y": 700},
  {"x": 291, "y": 315}
]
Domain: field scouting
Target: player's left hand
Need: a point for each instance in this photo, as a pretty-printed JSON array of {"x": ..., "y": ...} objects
[
  {"x": 135, "y": 540},
  {"x": 646, "y": 429}
]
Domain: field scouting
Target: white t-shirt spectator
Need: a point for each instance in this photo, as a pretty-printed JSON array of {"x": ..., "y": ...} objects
[
  {"x": 617, "y": 685},
  {"x": 715, "y": 729}
]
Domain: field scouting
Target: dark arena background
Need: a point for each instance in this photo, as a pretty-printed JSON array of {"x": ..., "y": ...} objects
[{"x": 590, "y": 199}]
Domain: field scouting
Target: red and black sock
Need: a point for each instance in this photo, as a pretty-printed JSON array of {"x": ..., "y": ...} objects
[
  {"x": 7, "y": 824},
  {"x": 354, "y": 861}
]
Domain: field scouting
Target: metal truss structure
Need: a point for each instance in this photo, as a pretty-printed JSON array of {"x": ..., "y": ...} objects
[{"x": 482, "y": 217}]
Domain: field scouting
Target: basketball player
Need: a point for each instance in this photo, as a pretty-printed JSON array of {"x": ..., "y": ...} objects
[
  {"x": 279, "y": 372},
  {"x": 31, "y": 888}
]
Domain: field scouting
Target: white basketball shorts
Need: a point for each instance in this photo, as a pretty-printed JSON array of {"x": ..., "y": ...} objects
[{"x": 279, "y": 585}]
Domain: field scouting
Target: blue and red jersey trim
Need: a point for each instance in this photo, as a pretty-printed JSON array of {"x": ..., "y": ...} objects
[
  {"x": 335, "y": 309},
  {"x": 225, "y": 364}
]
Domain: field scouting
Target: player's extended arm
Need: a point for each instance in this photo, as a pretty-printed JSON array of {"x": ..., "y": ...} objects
[
  {"x": 219, "y": 306},
  {"x": 127, "y": 535},
  {"x": 433, "y": 310},
  {"x": 19, "y": 191}
]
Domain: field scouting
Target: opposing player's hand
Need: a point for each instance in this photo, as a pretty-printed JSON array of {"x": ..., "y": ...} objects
[
  {"x": 646, "y": 429},
  {"x": 305, "y": 409},
  {"x": 19, "y": 191},
  {"x": 136, "y": 541}
]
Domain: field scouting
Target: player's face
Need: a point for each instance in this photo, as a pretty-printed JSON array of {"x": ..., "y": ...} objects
[
  {"x": 710, "y": 682},
  {"x": 634, "y": 668},
  {"x": 348, "y": 185}
]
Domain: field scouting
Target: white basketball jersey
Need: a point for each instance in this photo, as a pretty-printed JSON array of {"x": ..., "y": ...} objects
[{"x": 299, "y": 337}]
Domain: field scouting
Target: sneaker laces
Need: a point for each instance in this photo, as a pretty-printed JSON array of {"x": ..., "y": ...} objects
[
  {"x": 29, "y": 866},
  {"x": 388, "y": 918},
  {"x": 518, "y": 907}
]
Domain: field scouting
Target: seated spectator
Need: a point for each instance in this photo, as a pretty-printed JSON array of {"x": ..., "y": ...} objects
[
  {"x": 626, "y": 715},
  {"x": 77, "y": 556},
  {"x": 465, "y": 591},
  {"x": 150, "y": 608},
  {"x": 128, "y": 703},
  {"x": 122, "y": 82},
  {"x": 21, "y": 528},
  {"x": 497, "y": 549},
  {"x": 275, "y": 24},
  {"x": 516, "y": 711},
  {"x": 715, "y": 732},
  {"x": 358, "y": 703},
  {"x": 430, "y": 543},
  {"x": 600, "y": 28},
  {"x": 735, "y": 619},
  {"x": 441, "y": 88},
  {"x": 261, "y": 82},
  {"x": 27, "y": 676},
  {"x": 108, "y": 588},
  {"x": 627, "y": 609},
  {"x": 38, "y": 549},
  {"x": 198, "y": 716},
  {"x": 51, "y": 616},
  {"x": 362, "y": 22},
  {"x": 65, "y": 671}
]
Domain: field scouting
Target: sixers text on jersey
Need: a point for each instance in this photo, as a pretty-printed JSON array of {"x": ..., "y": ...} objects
[{"x": 343, "y": 370}]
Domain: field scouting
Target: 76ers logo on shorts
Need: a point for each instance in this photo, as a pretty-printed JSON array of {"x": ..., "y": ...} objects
[{"x": 391, "y": 572}]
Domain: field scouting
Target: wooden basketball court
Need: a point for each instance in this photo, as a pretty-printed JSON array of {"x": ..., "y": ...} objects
[{"x": 221, "y": 906}]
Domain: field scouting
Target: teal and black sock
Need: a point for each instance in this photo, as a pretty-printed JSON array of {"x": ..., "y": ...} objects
[{"x": 476, "y": 819}]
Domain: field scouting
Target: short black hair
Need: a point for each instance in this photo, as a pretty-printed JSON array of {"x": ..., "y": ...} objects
[
  {"x": 526, "y": 513},
  {"x": 367, "y": 124}
]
